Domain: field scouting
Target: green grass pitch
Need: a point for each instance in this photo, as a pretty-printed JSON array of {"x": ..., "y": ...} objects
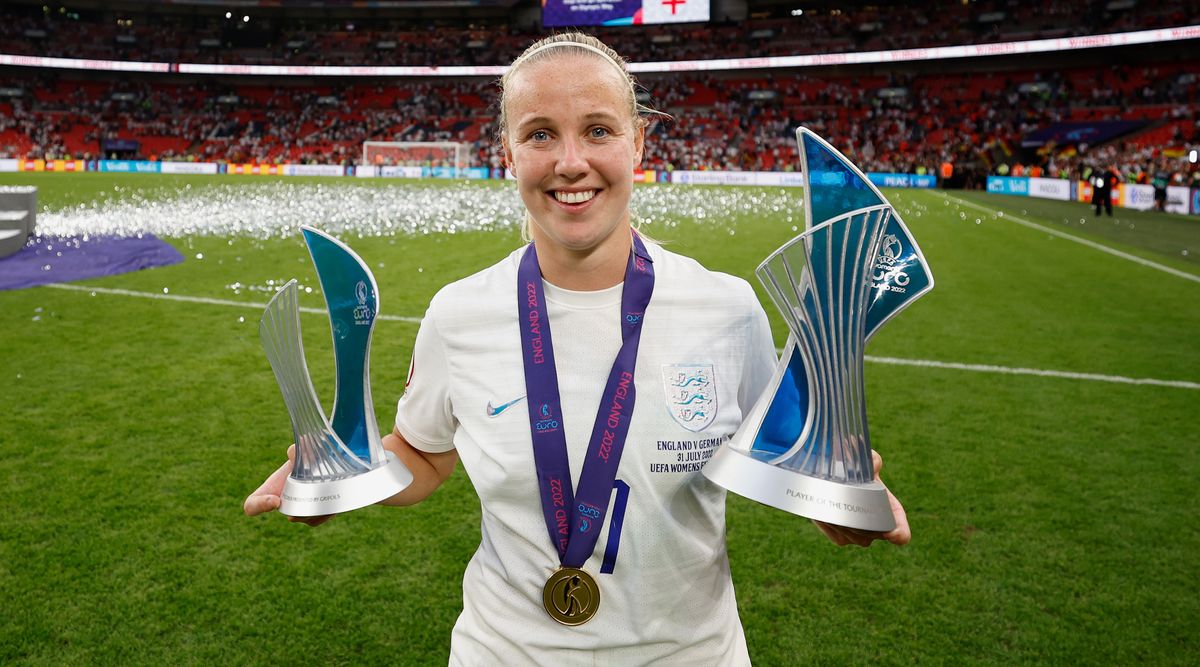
[{"x": 1054, "y": 518}]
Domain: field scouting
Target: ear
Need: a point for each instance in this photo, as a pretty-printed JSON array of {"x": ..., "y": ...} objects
[
  {"x": 639, "y": 145},
  {"x": 508, "y": 161}
]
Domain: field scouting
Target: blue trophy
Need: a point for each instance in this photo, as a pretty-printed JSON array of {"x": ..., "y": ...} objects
[
  {"x": 340, "y": 464},
  {"x": 804, "y": 446}
]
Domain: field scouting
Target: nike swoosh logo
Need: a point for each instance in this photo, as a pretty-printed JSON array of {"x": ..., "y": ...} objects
[{"x": 494, "y": 411}]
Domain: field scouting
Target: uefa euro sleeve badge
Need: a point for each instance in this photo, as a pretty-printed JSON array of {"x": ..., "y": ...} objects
[
  {"x": 804, "y": 447},
  {"x": 340, "y": 464}
]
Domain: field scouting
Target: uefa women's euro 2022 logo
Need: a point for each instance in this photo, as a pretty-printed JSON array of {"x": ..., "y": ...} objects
[
  {"x": 362, "y": 312},
  {"x": 889, "y": 266},
  {"x": 691, "y": 391}
]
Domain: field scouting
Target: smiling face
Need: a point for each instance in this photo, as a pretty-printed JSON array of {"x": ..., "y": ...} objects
[{"x": 573, "y": 142}]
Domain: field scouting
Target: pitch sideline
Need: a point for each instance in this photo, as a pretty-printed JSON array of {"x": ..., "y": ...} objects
[
  {"x": 1071, "y": 237},
  {"x": 891, "y": 361},
  {"x": 204, "y": 300}
]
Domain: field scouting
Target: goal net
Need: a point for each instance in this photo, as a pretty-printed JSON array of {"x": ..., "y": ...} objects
[{"x": 442, "y": 158}]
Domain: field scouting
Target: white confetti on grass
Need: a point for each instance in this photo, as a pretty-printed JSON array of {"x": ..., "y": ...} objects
[{"x": 278, "y": 208}]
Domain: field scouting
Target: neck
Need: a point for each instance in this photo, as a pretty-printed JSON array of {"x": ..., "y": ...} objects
[{"x": 586, "y": 270}]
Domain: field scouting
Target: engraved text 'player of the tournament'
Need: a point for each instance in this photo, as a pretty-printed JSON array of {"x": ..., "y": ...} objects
[
  {"x": 804, "y": 447},
  {"x": 340, "y": 464}
]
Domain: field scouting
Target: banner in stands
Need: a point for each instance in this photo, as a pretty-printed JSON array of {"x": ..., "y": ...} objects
[
  {"x": 438, "y": 172},
  {"x": 1128, "y": 195},
  {"x": 1155, "y": 36},
  {"x": 129, "y": 166},
  {"x": 758, "y": 178},
  {"x": 1135, "y": 196},
  {"x": 60, "y": 166},
  {"x": 888, "y": 180},
  {"x": 189, "y": 167},
  {"x": 571, "y": 13},
  {"x": 776, "y": 178},
  {"x": 1092, "y": 132},
  {"x": 393, "y": 171},
  {"x": 254, "y": 169},
  {"x": 1050, "y": 188},
  {"x": 1008, "y": 185},
  {"x": 1178, "y": 199},
  {"x": 313, "y": 170},
  {"x": 9, "y": 165}
]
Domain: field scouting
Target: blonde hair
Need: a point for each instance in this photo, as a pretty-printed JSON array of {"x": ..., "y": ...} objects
[{"x": 573, "y": 43}]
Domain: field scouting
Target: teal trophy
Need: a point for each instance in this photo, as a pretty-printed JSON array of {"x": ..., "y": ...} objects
[
  {"x": 804, "y": 447},
  {"x": 340, "y": 464}
]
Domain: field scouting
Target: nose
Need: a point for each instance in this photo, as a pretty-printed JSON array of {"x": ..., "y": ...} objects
[{"x": 572, "y": 159}]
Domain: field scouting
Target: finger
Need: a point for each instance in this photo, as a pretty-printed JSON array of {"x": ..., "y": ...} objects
[
  {"x": 901, "y": 534},
  {"x": 257, "y": 503},
  {"x": 274, "y": 483},
  {"x": 862, "y": 538},
  {"x": 266, "y": 497},
  {"x": 831, "y": 532},
  {"x": 842, "y": 536}
]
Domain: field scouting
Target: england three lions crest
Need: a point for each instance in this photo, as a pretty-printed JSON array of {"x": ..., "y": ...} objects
[{"x": 691, "y": 391}]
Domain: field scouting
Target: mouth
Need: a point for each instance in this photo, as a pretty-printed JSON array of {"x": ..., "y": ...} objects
[{"x": 575, "y": 198}]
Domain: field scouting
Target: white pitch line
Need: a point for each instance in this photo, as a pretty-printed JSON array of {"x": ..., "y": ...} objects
[
  {"x": 1008, "y": 370},
  {"x": 206, "y": 300},
  {"x": 977, "y": 368},
  {"x": 1071, "y": 237}
]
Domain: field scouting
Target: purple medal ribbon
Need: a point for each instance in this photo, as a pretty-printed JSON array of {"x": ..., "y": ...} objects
[{"x": 574, "y": 520}]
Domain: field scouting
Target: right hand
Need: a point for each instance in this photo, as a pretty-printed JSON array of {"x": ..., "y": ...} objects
[{"x": 266, "y": 497}]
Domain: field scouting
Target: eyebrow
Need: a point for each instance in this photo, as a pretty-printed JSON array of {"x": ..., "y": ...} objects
[{"x": 593, "y": 116}]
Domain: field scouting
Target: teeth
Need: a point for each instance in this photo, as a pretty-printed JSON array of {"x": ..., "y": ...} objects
[{"x": 574, "y": 197}]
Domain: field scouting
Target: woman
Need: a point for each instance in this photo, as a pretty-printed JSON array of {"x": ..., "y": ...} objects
[{"x": 595, "y": 548}]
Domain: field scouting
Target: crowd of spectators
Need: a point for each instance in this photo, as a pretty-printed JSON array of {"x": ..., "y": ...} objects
[
  {"x": 911, "y": 124},
  {"x": 210, "y": 37},
  {"x": 974, "y": 121},
  {"x": 906, "y": 124}
]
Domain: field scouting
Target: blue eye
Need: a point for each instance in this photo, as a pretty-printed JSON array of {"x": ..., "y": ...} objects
[
  {"x": 599, "y": 132},
  {"x": 540, "y": 135}
]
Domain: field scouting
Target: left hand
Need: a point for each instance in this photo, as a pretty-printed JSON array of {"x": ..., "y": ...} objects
[
  {"x": 266, "y": 498},
  {"x": 900, "y": 535}
]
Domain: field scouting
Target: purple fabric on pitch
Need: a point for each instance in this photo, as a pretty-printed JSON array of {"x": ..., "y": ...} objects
[{"x": 80, "y": 259}]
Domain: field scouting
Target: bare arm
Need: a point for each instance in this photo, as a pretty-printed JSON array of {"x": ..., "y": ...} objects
[{"x": 429, "y": 471}]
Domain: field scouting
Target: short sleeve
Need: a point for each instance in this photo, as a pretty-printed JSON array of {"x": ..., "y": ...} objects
[
  {"x": 760, "y": 357},
  {"x": 424, "y": 414}
]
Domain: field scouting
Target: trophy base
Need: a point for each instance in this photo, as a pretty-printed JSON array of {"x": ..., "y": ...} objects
[
  {"x": 864, "y": 507},
  {"x": 320, "y": 498}
]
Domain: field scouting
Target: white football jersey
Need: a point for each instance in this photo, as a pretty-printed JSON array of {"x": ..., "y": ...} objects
[{"x": 666, "y": 596}]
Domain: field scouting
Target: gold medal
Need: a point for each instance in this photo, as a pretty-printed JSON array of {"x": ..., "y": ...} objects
[{"x": 571, "y": 596}]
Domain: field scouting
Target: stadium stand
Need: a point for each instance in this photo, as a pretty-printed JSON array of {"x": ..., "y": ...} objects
[
  {"x": 35, "y": 28},
  {"x": 975, "y": 116}
]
